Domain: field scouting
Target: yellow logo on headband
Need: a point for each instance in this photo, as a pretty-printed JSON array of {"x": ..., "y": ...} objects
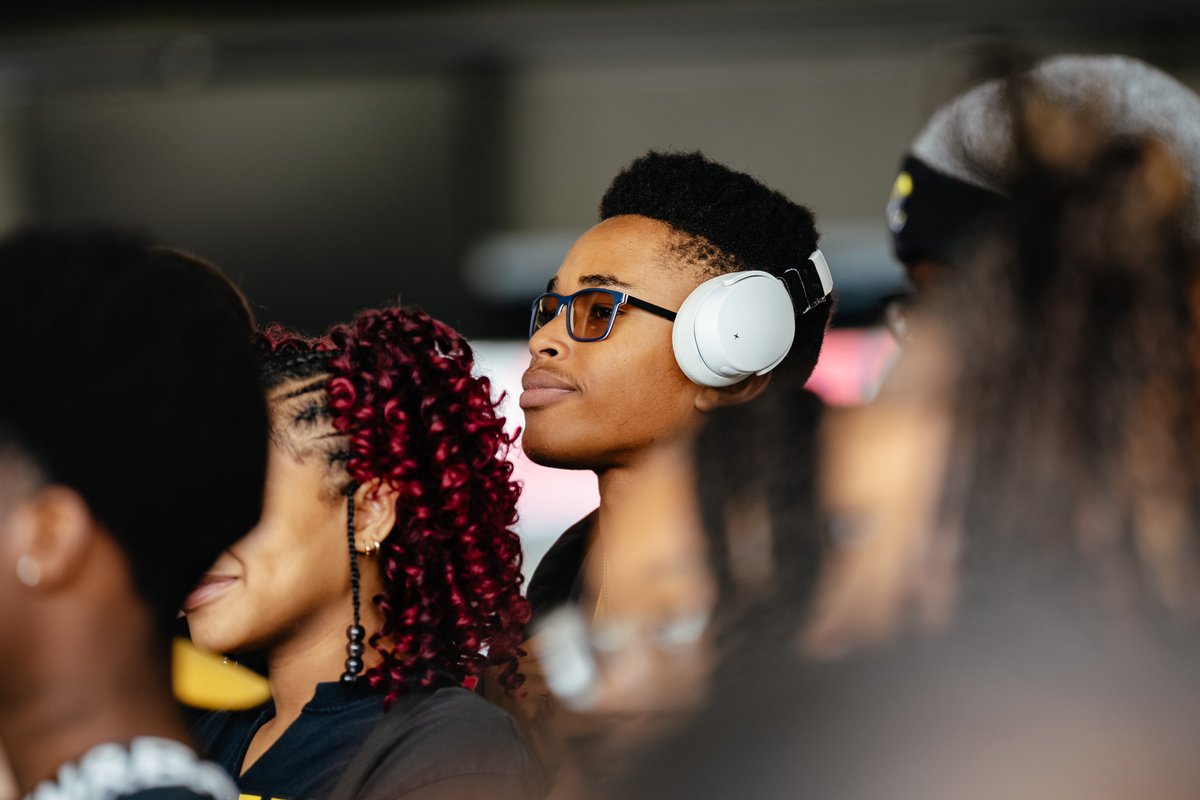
[{"x": 901, "y": 189}]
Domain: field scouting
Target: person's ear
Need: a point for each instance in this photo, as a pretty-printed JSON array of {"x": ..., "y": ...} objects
[
  {"x": 52, "y": 531},
  {"x": 710, "y": 398},
  {"x": 374, "y": 514}
]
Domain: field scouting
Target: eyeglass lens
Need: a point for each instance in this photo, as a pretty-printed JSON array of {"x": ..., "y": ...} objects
[{"x": 591, "y": 314}]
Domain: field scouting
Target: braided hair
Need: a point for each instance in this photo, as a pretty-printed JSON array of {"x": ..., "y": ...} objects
[{"x": 397, "y": 387}]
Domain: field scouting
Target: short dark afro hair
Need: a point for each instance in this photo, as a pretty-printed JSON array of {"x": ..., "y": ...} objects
[{"x": 727, "y": 222}]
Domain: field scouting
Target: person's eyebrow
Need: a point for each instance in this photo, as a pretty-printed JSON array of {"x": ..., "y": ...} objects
[
  {"x": 551, "y": 284},
  {"x": 605, "y": 281}
]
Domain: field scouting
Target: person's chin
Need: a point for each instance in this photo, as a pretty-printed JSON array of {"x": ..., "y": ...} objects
[
  {"x": 209, "y": 635},
  {"x": 549, "y": 452},
  {"x": 225, "y": 631},
  {"x": 212, "y": 623}
]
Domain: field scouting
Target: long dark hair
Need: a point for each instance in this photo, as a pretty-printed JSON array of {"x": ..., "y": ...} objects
[{"x": 1076, "y": 339}]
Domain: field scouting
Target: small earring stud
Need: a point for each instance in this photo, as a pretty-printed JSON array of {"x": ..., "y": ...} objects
[{"x": 29, "y": 571}]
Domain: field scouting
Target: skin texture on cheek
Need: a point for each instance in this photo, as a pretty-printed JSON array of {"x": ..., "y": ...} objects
[
  {"x": 660, "y": 408},
  {"x": 627, "y": 405}
]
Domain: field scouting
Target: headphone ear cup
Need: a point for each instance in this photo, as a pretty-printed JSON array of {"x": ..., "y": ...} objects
[
  {"x": 683, "y": 337},
  {"x": 733, "y": 326}
]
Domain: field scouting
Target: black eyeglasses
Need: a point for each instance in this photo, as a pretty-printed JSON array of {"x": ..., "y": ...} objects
[{"x": 590, "y": 312}]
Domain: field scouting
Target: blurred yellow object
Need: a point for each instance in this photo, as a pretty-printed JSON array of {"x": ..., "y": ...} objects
[{"x": 206, "y": 680}]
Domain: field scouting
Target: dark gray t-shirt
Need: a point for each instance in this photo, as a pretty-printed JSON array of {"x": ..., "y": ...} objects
[
  {"x": 445, "y": 743},
  {"x": 448, "y": 744}
]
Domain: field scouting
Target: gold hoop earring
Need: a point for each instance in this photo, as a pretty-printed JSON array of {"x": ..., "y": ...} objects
[{"x": 370, "y": 550}]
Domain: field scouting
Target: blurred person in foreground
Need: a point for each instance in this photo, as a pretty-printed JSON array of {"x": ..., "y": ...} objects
[
  {"x": 132, "y": 451},
  {"x": 1060, "y": 366},
  {"x": 383, "y": 576},
  {"x": 713, "y": 563},
  {"x": 1012, "y": 607}
]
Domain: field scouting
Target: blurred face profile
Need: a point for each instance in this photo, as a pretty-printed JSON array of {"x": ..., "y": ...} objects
[
  {"x": 640, "y": 645},
  {"x": 882, "y": 478},
  {"x": 290, "y": 575},
  {"x": 657, "y": 595},
  {"x": 590, "y": 405}
]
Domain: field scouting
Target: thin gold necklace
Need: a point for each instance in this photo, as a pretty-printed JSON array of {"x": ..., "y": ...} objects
[{"x": 602, "y": 600}]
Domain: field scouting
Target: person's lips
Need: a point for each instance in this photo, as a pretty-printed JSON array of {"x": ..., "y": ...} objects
[
  {"x": 543, "y": 388},
  {"x": 210, "y": 588}
]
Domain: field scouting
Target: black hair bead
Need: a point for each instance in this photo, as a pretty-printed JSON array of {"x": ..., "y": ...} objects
[{"x": 355, "y": 633}]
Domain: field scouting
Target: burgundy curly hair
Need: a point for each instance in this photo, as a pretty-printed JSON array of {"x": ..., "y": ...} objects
[{"x": 400, "y": 388}]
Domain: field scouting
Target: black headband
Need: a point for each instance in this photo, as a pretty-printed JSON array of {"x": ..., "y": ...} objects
[{"x": 931, "y": 214}]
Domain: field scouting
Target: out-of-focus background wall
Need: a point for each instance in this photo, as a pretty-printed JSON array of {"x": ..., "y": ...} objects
[{"x": 450, "y": 152}]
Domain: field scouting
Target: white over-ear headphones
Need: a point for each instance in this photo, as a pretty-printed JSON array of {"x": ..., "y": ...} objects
[{"x": 743, "y": 323}]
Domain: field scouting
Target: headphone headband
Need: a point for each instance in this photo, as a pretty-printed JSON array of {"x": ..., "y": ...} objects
[{"x": 811, "y": 287}]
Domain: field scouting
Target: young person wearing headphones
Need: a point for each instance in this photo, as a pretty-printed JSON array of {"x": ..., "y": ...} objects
[{"x": 697, "y": 287}]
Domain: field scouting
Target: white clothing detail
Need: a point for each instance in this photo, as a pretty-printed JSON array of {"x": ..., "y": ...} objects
[{"x": 112, "y": 770}]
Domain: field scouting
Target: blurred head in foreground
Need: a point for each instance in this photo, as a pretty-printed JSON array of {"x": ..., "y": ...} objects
[
  {"x": 1050, "y": 410},
  {"x": 963, "y": 168},
  {"x": 132, "y": 452}
]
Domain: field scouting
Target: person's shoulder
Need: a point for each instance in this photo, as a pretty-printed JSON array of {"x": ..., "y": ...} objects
[
  {"x": 452, "y": 715},
  {"x": 444, "y": 737}
]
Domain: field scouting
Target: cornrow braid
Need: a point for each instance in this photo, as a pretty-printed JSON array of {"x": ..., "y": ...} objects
[{"x": 279, "y": 366}]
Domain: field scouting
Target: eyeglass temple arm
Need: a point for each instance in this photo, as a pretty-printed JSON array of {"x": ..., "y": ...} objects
[{"x": 653, "y": 309}]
